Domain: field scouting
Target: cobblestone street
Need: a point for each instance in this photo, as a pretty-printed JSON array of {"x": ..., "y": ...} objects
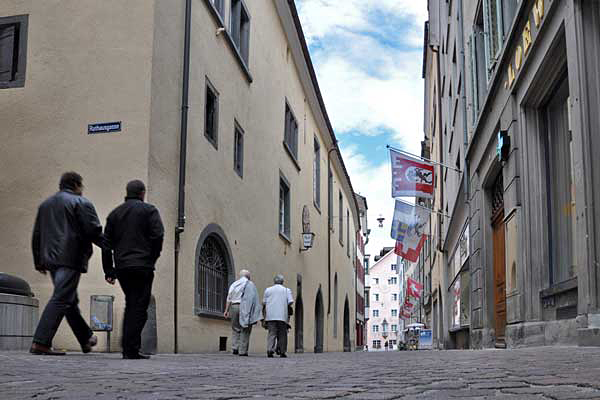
[{"x": 538, "y": 373}]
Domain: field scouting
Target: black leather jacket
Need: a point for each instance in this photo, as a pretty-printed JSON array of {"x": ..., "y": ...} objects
[
  {"x": 65, "y": 228},
  {"x": 134, "y": 235}
]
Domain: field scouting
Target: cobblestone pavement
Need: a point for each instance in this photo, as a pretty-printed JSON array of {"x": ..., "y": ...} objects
[{"x": 536, "y": 373}]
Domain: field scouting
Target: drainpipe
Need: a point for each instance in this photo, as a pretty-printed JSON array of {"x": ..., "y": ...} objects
[
  {"x": 329, "y": 225},
  {"x": 182, "y": 167}
]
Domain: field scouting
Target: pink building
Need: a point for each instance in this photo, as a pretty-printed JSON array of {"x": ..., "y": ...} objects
[{"x": 384, "y": 287}]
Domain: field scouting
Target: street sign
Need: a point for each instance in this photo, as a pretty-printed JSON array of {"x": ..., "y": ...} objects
[{"x": 104, "y": 127}]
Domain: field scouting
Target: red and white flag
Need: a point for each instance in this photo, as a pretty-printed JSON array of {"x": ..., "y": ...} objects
[
  {"x": 411, "y": 177},
  {"x": 404, "y": 313},
  {"x": 410, "y": 253},
  {"x": 414, "y": 288}
]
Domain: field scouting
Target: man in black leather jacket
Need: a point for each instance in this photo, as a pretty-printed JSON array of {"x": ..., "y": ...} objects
[
  {"x": 65, "y": 228},
  {"x": 134, "y": 234}
]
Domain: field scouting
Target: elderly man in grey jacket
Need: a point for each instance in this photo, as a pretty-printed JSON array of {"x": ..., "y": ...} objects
[
  {"x": 244, "y": 308},
  {"x": 276, "y": 301}
]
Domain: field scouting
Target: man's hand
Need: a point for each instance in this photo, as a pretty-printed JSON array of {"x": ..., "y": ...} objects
[
  {"x": 110, "y": 280},
  {"x": 226, "y": 314},
  {"x": 41, "y": 269}
]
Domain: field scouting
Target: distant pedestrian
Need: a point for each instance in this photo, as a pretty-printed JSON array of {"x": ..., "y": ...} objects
[
  {"x": 277, "y": 302},
  {"x": 66, "y": 225},
  {"x": 134, "y": 234},
  {"x": 243, "y": 307}
]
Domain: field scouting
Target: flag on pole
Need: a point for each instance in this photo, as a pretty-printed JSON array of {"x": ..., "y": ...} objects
[
  {"x": 414, "y": 288},
  {"x": 408, "y": 227},
  {"x": 411, "y": 177}
]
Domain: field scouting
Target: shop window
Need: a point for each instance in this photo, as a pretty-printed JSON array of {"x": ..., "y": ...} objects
[{"x": 561, "y": 187}]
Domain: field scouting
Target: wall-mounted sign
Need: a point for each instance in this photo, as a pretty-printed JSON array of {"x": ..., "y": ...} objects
[{"x": 104, "y": 127}]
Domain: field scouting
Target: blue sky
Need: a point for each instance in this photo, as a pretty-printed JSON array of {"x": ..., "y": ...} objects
[{"x": 368, "y": 58}]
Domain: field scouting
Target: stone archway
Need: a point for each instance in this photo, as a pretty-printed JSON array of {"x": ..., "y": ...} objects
[
  {"x": 319, "y": 322},
  {"x": 299, "y": 326},
  {"x": 347, "y": 346}
]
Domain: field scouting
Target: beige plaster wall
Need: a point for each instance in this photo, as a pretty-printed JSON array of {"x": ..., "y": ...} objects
[
  {"x": 87, "y": 62},
  {"x": 245, "y": 208}
]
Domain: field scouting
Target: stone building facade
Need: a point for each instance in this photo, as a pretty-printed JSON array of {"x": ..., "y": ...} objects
[
  {"x": 233, "y": 142},
  {"x": 517, "y": 100}
]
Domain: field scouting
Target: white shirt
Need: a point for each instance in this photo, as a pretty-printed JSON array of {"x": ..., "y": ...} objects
[
  {"x": 276, "y": 299},
  {"x": 236, "y": 290}
]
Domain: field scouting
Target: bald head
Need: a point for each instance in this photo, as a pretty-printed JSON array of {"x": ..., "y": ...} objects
[{"x": 245, "y": 274}]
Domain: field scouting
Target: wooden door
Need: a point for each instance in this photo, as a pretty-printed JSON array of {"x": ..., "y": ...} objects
[{"x": 499, "y": 276}]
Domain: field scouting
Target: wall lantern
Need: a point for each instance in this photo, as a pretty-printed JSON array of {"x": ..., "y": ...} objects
[{"x": 307, "y": 241}]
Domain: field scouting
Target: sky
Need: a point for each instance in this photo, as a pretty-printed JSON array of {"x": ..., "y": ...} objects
[{"x": 368, "y": 57}]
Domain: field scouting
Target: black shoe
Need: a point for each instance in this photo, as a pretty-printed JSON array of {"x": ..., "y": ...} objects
[
  {"x": 41, "y": 350},
  {"x": 270, "y": 354},
  {"x": 282, "y": 355},
  {"x": 137, "y": 356},
  {"x": 244, "y": 355},
  {"x": 92, "y": 341},
  {"x": 235, "y": 352}
]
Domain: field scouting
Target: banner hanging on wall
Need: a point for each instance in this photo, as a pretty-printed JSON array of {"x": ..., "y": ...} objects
[{"x": 411, "y": 177}]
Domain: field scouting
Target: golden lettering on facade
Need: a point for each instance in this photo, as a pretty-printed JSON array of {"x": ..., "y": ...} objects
[
  {"x": 538, "y": 12},
  {"x": 526, "y": 37},
  {"x": 518, "y": 58},
  {"x": 511, "y": 75}
]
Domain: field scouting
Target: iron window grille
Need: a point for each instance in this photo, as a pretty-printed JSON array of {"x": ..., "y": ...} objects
[{"x": 212, "y": 277}]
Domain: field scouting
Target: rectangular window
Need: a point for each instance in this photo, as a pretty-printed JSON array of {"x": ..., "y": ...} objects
[
  {"x": 317, "y": 174},
  {"x": 284, "y": 207},
  {"x": 394, "y": 267},
  {"x": 211, "y": 114},
  {"x": 394, "y": 313},
  {"x": 238, "y": 150},
  {"x": 290, "y": 138},
  {"x": 492, "y": 10},
  {"x": 376, "y": 294},
  {"x": 375, "y": 328},
  {"x": 330, "y": 198},
  {"x": 394, "y": 328},
  {"x": 240, "y": 28},
  {"x": 341, "y": 217},
  {"x": 347, "y": 232},
  {"x": 393, "y": 281},
  {"x": 376, "y": 313},
  {"x": 377, "y": 344},
  {"x": 561, "y": 188},
  {"x": 376, "y": 281},
  {"x": 13, "y": 51},
  {"x": 394, "y": 296}
]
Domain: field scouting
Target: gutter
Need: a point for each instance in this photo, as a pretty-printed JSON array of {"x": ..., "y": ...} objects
[{"x": 179, "y": 229}]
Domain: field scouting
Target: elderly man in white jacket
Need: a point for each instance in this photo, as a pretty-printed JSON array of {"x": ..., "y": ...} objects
[
  {"x": 276, "y": 301},
  {"x": 244, "y": 308}
]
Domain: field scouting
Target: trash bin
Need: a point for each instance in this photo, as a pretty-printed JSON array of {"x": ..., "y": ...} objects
[{"x": 18, "y": 313}]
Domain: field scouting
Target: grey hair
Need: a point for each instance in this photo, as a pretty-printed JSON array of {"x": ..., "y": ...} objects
[
  {"x": 278, "y": 279},
  {"x": 245, "y": 273}
]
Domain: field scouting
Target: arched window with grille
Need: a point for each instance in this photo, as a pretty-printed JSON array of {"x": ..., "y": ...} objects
[{"x": 214, "y": 272}]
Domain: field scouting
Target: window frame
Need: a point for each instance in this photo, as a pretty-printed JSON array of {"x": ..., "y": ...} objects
[
  {"x": 376, "y": 313},
  {"x": 287, "y": 201},
  {"x": 210, "y": 89},
  {"x": 341, "y": 217},
  {"x": 18, "y": 74},
  {"x": 317, "y": 173},
  {"x": 291, "y": 148},
  {"x": 348, "y": 232},
  {"x": 239, "y": 28},
  {"x": 238, "y": 150}
]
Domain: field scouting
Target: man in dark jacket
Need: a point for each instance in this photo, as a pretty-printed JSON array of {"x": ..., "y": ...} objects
[
  {"x": 65, "y": 228},
  {"x": 134, "y": 234}
]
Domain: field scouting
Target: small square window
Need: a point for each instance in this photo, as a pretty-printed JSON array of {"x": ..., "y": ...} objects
[
  {"x": 238, "y": 150},
  {"x": 13, "y": 51},
  {"x": 211, "y": 114},
  {"x": 376, "y": 313}
]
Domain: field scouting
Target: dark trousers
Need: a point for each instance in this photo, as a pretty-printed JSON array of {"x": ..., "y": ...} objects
[
  {"x": 137, "y": 286},
  {"x": 63, "y": 303},
  {"x": 277, "y": 336}
]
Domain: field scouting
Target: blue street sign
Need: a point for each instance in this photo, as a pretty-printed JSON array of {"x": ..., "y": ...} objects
[{"x": 104, "y": 127}]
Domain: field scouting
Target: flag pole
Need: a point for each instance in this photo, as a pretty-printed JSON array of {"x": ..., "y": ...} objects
[
  {"x": 423, "y": 207},
  {"x": 423, "y": 158}
]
